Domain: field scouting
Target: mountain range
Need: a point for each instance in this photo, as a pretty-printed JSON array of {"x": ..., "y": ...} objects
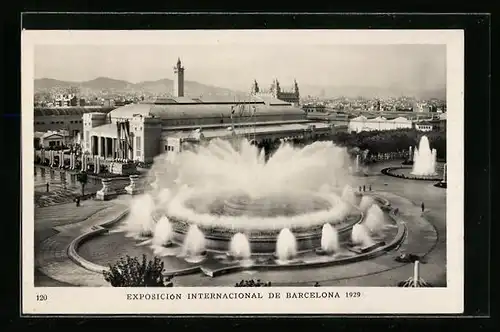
[
  {"x": 110, "y": 85},
  {"x": 192, "y": 88}
]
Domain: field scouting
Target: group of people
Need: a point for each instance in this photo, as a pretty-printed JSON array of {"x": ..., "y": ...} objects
[
  {"x": 364, "y": 187},
  {"x": 253, "y": 283}
]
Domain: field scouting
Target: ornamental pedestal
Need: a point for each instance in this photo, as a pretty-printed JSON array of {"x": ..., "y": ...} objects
[
  {"x": 134, "y": 187},
  {"x": 106, "y": 193}
]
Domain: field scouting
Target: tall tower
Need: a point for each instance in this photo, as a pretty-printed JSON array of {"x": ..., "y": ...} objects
[{"x": 178, "y": 79}]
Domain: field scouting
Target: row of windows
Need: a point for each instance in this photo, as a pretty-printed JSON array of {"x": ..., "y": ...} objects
[
  {"x": 238, "y": 119},
  {"x": 57, "y": 122}
]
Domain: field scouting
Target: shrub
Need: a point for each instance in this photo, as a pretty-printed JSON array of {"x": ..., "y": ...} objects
[
  {"x": 130, "y": 272},
  {"x": 253, "y": 283}
]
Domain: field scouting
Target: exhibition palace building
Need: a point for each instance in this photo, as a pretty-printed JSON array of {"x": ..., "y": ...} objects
[{"x": 143, "y": 130}]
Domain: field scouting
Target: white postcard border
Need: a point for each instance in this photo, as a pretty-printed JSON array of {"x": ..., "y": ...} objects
[{"x": 374, "y": 300}]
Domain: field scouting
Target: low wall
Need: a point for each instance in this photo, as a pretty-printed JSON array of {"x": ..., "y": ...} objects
[
  {"x": 97, "y": 231},
  {"x": 262, "y": 242},
  {"x": 390, "y": 172},
  {"x": 394, "y": 244}
]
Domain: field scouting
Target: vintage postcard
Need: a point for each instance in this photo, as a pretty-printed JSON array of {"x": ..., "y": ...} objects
[{"x": 242, "y": 172}]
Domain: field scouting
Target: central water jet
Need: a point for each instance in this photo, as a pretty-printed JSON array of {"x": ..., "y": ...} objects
[
  {"x": 239, "y": 247},
  {"x": 163, "y": 232},
  {"x": 375, "y": 219},
  {"x": 194, "y": 243},
  {"x": 424, "y": 160},
  {"x": 361, "y": 236},
  {"x": 286, "y": 245},
  {"x": 366, "y": 203},
  {"x": 329, "y": 239}
]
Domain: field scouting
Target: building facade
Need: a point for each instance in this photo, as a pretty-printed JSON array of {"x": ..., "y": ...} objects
[
  {"x": 362, "y": 123},
  {"x": 68, "y": 118},
  {"x": 275, "y": 91},
  {"x": 141, "y": 131}
]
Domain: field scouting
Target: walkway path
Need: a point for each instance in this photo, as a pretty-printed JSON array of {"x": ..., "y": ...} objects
[{"x": 51, "y": 257}]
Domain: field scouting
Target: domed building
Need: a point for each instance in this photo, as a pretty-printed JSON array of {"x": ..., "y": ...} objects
[{"x": 141, "y": 131}]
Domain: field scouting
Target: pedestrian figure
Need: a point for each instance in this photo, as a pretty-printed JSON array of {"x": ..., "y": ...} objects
[
  {"x": 364, "y": 188},
  {"x": 359, "y": 188},
  {"x": 47, "y": 187},
  {"x": 77, "y": 201},
  {"x": 423, "y": 207},
  {"x": 370, "y": 188}
]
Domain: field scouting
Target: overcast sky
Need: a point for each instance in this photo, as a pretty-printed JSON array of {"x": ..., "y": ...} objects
[{"x": 236, "y": 66}]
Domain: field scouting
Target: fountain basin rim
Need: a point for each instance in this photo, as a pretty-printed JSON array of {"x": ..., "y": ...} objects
[
  {"x": 178, "y": 204},
  {"x": 97, "y": 230},
  {"x": 390, "y": 172},
  {"x": 396, "y": 241},
  {"x": 219, "y": 232}
]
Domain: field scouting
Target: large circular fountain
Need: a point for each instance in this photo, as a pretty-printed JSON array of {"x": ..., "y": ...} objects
[
  {"x": 223, "y": 207},
  {"x": 260, "y": 219},
  {"x": 425, "y": 166},
  {"x": 226, "y": 188}
]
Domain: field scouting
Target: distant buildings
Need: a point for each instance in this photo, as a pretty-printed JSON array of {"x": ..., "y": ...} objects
[
  {"x": 140, "y": 131},
  {"x": 63, "y": 118},
  {"x": 275, "y": 91},
  {"x": 423, "y": 126},
  {"x": 53, "y": 139},
  {"x": 65, "y": 100},
  {"x": 362, "y": 123}
]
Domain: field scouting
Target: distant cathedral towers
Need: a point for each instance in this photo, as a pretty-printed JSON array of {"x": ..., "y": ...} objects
[
  {"x": 178, "y": 90},
  {"x": 275, "y": 91}
]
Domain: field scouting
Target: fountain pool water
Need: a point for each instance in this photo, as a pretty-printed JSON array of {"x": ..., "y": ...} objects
[
  {"x": 329, "y": 239},
  {"x": 375, "y": 219},
  {"x": 366, "y": 203},
  {"x": 348, "y": 195},
  {"x": 164, "y": 196},
  {"x": 194, "y": 244},
  {"x": 286, "y": 245},
  {"x": 162, "y": 232},
  {"x": 361, "y": 236},
  {"x": 424, "y": 159},
  {"x": 239, "y": 247},
  {"x": 139, "y": 220}
]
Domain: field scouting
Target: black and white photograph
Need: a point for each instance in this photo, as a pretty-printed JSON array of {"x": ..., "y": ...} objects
[{"x": 314, "y": 163}]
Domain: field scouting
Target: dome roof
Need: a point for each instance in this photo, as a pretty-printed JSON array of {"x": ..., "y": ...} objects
[{"x": 196, "y": 111}]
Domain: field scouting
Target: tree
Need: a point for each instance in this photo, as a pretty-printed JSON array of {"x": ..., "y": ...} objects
[
  {"x": 82, "y": 177},
  {"x": 130, "y": 272}
]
